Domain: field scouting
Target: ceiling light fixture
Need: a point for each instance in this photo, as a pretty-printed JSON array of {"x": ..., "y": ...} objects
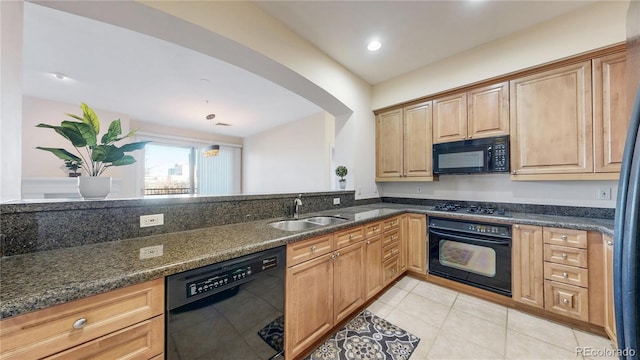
[
  {"x": 374, "y": 45},
  {"x": 213, "y": 149},
  {"x": 59, "y": 76}
]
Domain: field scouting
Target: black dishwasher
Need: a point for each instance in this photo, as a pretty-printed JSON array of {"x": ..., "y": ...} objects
[{"x": 228, "y": 310}]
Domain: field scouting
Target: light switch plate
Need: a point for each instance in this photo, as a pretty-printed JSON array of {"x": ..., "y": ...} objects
[
  {"x": 336, "y": 201},
  {"x": 151, "y": 251},
  {"x": 151, "y": 220}
]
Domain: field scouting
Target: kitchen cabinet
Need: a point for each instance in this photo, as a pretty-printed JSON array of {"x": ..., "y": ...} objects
[
  {"x": 373, "y": 255},
  {"x": 403, "y": 144},
  {"x": 527, "y": 282},
  {"x": 551, "y": 128},
  {"x": 609, "y": 318},
  {"x": 127, "y": 322},
  {"x": 610, "y": 111},
  {"x": 416, "y": 251},
  {"x": 325, "y": 289},
  {"x": 479, "y": 113}
]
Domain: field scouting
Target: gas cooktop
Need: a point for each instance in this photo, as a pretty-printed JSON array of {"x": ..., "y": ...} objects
[{"x": 471, "y": 209}]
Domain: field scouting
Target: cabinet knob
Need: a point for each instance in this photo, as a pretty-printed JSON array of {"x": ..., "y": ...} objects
[
  {"x": 565, "y": 275},
  {"x": 564, "y": 256},
  {"x": 516, "y": 226},
  {"x": 368, "y": 242},
  {"x": 609, "y": 242},
  {"x": 313, "y": 248},
  {"x": 337, "y": 254},
  {"x": 80, "y": 323},
  {"x": 566, "y": 301},
  {"x": 350, "y": 236},
  {"x": 514, "y": 172},
  {"x": 563, "y": 237},
  {"x": 470, "y": 136}
]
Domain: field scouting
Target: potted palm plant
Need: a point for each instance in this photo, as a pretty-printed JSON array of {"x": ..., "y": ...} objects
[
  {"x": 342, "y": 171},
  {"x": 73, "y": 167},
  {"x": 93, "y": 157}
]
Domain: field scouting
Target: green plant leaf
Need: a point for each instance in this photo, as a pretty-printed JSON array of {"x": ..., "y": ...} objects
[
  {"x": 90, "y": 117},
  {"x": 126, "y": 160},
  {"x": 84, "y": 130},
  {"x": 70, "y": 134},
  {"x": 112, "y": 135},
  {"x": 134, "y": 146},
  {"x": 61, "y": 153},
  {"x": 106, "y": 153},
  {"x": 75, "y": 117}
]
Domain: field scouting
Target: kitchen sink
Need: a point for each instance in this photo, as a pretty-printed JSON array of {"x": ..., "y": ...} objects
[{"x": 306, "y": 224}]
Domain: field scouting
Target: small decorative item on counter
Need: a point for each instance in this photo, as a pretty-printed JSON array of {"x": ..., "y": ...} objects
[
  {"x": 93, "y": 157},
  {"x": 73, "y": 166},
  {"x": 342, "y": 171}
]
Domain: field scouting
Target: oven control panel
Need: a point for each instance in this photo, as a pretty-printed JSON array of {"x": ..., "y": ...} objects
[
  {"x": 468, "y": 227},
  {"x": 487, "y": 229}
]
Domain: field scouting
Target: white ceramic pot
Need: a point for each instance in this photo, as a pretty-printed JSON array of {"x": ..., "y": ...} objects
[
  {"x": 343, "y": 184},
  {"x": 94, "y": 187}
]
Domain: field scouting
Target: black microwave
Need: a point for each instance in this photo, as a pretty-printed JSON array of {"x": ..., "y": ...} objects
[{"x": 476, "y": 156}]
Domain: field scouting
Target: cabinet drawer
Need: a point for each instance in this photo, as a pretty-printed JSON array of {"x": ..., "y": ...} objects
[
  {"x": 49, "y": 331},
  {"x": 348, "y": 237},
  {"x": 390, "y": 269},
  {"x": 302, "y": 251},
  {"x": 566, "y": 274},
  {"x": 372, "y": 229},
  {"x": 140, "y": 341},
  {"x": 391, "y": 250},
  {"x": 566, "y": 300},
  {"x": 390, "y": 237},
  {"x": 565, "y": 237},
  {"x": 391, "y": 224},
  {"x": 565, "y": 255}
]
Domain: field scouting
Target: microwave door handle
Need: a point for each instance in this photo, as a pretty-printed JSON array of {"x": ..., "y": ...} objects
[{"x": 468, "y": 239}]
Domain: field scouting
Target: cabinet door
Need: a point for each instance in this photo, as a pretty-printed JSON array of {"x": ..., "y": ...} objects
[
  {"x": 309, "y": 303},
  {"x": 551, "y": 122},
  {"x": 610, "y": 112},
  {"x": 417, "y": 241},
  {"x": 488, "y": 111},
  {"x": 404, "y": 243},
  {"x": 349, "y": 278},
  {"x": 450, "y": 118},
  {"x": 417, "y": 140},
  {"x": 389, "y": 145},
  {"x": 373, "y": 266},
  {"x": 527, "y": 262},
  {"x": 609, "y": 318}
]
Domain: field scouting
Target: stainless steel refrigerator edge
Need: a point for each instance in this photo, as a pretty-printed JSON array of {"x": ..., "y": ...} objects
[{"x": 627, "y": 243}]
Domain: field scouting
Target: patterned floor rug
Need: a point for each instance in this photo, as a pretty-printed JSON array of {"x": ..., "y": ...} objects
[
  {"x": 273, "y": 333},
  {"x": 367, "y": 337}
]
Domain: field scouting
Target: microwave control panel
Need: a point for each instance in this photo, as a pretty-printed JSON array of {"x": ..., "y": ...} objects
[{"x": 500, "y": 155}]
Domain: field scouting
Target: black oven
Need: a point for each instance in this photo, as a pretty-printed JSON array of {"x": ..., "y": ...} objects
[
  {"x": 477, "y": 156},
  {"x": 473, "y": 253}
]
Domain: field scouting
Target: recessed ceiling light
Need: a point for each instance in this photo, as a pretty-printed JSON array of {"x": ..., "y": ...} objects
[
  {"x": 59, "y": 76},
  {"x": 374, "y": 45}
]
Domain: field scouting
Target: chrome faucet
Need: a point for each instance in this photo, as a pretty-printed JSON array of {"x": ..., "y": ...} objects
[{"x": 297, "y": 202}]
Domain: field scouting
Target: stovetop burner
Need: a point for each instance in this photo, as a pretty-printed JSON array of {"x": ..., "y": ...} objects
[{"x": 472, "y": 209}]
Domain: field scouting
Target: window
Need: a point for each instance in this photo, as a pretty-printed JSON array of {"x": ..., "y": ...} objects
[{"x": 177, "y": 166}]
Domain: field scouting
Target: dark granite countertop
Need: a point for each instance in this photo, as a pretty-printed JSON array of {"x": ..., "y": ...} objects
[{"x": 38, "y": 280}]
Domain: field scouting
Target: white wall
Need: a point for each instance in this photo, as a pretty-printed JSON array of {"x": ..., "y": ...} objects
[
  {"x": 41, "y": 164},
  {"x": 294, "y": 157},
  {"x": 10, "y": 99},
  {"x": 595, "y": 26}
]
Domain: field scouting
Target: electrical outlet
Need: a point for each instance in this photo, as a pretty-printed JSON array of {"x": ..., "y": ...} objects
[
  {"x": 604, "y": 193},
  {"x": 151, "y": 251},
  {"x": 151, "y": 220},
  {"x": 419, "y": 189},
  {"x": 336, "y": 201}
]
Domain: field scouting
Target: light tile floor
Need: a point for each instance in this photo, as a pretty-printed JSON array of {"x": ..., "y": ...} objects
[{"x": 453, "y": 325}]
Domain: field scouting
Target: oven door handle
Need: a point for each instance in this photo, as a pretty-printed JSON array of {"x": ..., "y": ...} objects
[{"x": 468, "y": 239}]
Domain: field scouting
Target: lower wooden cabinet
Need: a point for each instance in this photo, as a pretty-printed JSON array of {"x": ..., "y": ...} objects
[
  {"x": 127, "y": 322},
  {"x": 348, "y": 280},
  {"x": 568, "y": 300},
  {"x": 609, "y": 318},
  {"x": 373, "y": 266},
  {"x": 527, "y": 280},
  {"x": 416, "y": 240}
]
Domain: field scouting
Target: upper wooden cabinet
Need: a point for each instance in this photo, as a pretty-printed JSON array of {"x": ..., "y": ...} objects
[
  {"x": 403, "y": 144},
  {"x": 478, "y": 113},
  {"x": 551, "y": 122},
  {"x": 610, "y": 111}
]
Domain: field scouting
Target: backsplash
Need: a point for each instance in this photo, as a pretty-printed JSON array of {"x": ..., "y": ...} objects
[
  {"x": 33, "y": 227},
  {"x": 601, "y": 213}
]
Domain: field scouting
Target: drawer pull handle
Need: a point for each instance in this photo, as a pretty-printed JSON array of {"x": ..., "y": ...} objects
[
  {"x": 368, "y": 242},
  {"x": 80, "y": 323},
  {"x": 563, "y": 237},
  {"x": 564, "y": 256},
  {"x": 565, "y": 275},
  {"x": 566, "y": 301},
  {"x": 313, "y": 248},
  {"x": 350, "y": 236},
  {"x": 609, "y": 242}
]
